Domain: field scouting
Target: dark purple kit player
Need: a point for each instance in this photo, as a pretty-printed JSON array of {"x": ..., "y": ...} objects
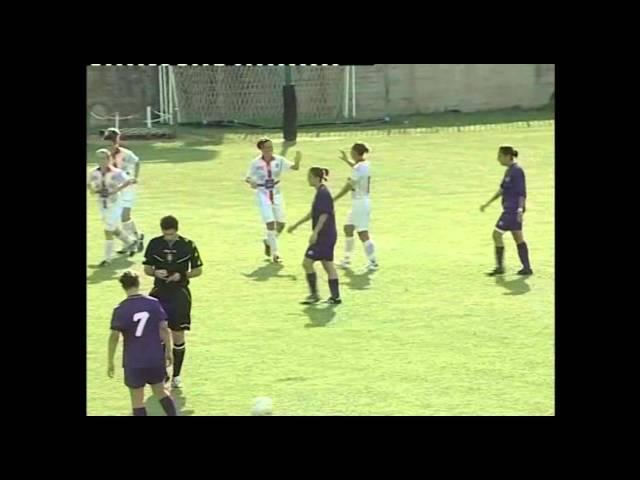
[
  {"x": 323, "y": 238},
  {"x": 513, "y": 191},
  {"x": 142, "y": 322}
]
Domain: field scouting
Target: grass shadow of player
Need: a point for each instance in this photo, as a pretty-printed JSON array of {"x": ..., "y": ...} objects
[
  {"x": 519, "y": 286},
  {"x": 267, "y": 271},
  {"x": 154, "y": 409},
  {"x": 357, "y": 281},
  {"x": 319, "y": 316},
  {"x": 110, "y": 272}
]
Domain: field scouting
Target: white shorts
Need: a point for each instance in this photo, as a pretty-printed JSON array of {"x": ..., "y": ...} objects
[
  {"x": 360, "y": 214},
  {"x": 270, "y": 212},
  {"x": 128, "y": 197},
  {"x": 111, "y": 216}
]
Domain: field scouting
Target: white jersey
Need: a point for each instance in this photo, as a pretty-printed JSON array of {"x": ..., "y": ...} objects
[
  {"x": 107, "y": 183},
  {"x": 127, "y": 161},
  {"x": 361, "y": 180},
  {"x": 267, "y": 175}
]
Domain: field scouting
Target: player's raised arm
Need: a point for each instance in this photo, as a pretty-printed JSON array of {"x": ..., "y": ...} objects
[
  {"x": 343, "y": 157},
  {"x": 296, "y": 161}
]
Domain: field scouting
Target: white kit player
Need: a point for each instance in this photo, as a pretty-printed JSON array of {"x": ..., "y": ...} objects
[
  {"x": 128, "y": 161},
  {"x": 264, "y": 176},
  {"x": 359, "y": 185},
  {"x": 106, "y": 182}
]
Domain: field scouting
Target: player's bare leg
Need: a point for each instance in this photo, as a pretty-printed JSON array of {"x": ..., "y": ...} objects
[
  {"x": 129, "y": 226},
  {"x": 137, "y": 402},
  {"x": 273, "y": 242},
  {"x": 334, "y": 287},
  {"x": 369, "y": 249},
  {"x": 523, "y": 252},
  {"x": 179, "y": 349},
  {"x": 167, "y": 403},
  {"x": 312, "y": 280},
  {"x": 348, "y": 246},
  {"x": 499, "y": 246}
]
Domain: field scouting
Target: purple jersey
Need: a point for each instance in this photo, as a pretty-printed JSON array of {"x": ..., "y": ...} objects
[
  {"x": 323, "y": 203},
  {"x": 138, "y": 318},
  {"x": 513, "y": 187}
]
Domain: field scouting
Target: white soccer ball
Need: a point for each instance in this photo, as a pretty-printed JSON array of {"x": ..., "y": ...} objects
[{"x": 262, "y": 406}]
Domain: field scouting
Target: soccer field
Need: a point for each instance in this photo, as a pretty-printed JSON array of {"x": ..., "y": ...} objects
[{"x": 427, "y": 334}]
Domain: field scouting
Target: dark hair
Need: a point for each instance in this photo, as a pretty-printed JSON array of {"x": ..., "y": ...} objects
[
  {"x": 319, "y": 172},
  {"x": 169, "y": 223},
  {"x": 508, "y": 150},
  {"x": 361, "y": 148},
  {"x": 129, "y": 280},
  {"x": 262, "y": 141},
  {"x": 111, "y": 134}
]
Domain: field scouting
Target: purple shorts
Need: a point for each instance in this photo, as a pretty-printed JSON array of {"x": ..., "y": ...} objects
[
  {"x": 139, "y": 377},
  {"x": 508, "y": 222},
  {"x": 321, "y": 251}
]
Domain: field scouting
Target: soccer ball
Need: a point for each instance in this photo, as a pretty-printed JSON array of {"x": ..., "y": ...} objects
[{"x": 262, "y": 407}]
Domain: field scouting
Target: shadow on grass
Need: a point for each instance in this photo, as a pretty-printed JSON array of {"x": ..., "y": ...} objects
[
  {"x": 267, "y": 271},
  {"x": 357, "y": 281},
  {"x": 154, "y": 409},
  {"x": 319, "y": 316},
  {"x": 110, "y": 272},
  {"x": 519, "y": 286}
]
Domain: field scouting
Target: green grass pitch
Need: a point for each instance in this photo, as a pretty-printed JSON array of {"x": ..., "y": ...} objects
[{"x": 428, "y": 334}]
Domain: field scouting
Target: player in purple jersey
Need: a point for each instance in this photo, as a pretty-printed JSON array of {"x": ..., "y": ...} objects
[
  {"x": 322, "y": 240},
  {"x": 513, "y": 191},
  {"x": 142, "y": 322}
]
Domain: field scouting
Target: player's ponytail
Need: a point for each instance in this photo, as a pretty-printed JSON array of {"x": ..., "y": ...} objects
[
  {"x": 508, "y": 150},
  {"x": 319, "y": 172}
]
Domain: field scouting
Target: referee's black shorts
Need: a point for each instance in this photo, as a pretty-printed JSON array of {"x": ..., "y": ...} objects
[{"x": 177, "y": 304}]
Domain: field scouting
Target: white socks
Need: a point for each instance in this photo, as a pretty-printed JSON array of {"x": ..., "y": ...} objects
[
  {"x": 273, "y": 243},
  {"x": 130, "y": 228},
  {"x": 369, "y": 250},
  {"x": 125, "y": 238},
  {"x": 108, "y": 250},
  {"x": 348, "y": 247}
]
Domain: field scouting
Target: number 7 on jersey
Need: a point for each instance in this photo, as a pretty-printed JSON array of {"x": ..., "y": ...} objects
[{"x": 142, "y": 317}]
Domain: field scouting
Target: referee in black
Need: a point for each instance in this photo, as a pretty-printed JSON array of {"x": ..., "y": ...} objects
[{"x": 172, "y": 260}]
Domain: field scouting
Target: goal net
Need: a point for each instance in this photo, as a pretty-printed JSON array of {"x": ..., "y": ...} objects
[{"x": 253, "y": 94}]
